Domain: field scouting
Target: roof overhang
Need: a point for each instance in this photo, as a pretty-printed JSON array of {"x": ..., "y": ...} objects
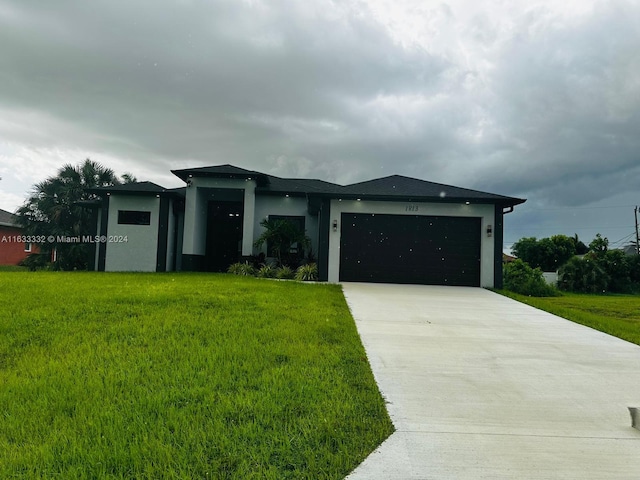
[
  {"x": 505, "y": 202},
  {"x": 213, "y": 172}
]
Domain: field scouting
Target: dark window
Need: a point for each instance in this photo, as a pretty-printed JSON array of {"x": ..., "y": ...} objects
[
  {"x": 134, "y": 217},
  {"x": 27, "y": 246}
]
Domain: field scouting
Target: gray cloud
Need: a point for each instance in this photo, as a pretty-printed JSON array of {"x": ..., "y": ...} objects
[{"x": 531, "y": 101}]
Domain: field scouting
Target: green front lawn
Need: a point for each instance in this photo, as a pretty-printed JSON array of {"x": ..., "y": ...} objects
[
  {"x": 106, "y": 375},
  {"x": 617, "y": 315}
]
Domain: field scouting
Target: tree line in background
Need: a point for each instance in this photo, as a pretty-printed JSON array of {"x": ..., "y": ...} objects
[
  {"x": 585, "y": 269},
  {"x": 55, "y": 209}
]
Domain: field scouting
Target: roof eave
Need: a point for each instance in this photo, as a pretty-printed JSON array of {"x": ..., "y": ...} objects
[
  {"x": 282, "y": 193},
  {"x": 188, "y": 173},
  {"x": 508, "y": 201},
  {"x": 136, "y": 193}
]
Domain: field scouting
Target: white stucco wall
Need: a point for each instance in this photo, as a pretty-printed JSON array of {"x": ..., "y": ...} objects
[
  {"x": 551, "y": 278},
  {"x": 294, "y": 206},
  {"x": 484, "y": 212},
  {"x": 139, "y": 251}
]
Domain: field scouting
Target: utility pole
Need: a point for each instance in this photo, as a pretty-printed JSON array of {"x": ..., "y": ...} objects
[{"x": 635, "y": 211}]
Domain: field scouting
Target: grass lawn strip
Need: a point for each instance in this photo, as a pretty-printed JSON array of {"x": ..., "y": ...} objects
[
  {"x": 617, "y": 315},
  {"x": 181, "y": 376}
]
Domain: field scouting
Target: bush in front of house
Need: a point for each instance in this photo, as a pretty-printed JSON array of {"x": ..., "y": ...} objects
[
  {"x": 266, "y": 271},
  {"x": 304, "y": 273},
  {"x": 285, "y": 273},
  {"x": 242, "y": 268},
  {"x": 520, "y": 278},
  {"x": 307, "y": 273}
]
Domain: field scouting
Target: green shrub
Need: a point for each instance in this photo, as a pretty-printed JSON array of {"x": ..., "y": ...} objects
[
  {"x": 520, "y": 278},
  {"x": 306, "y": 273},
  {"x": 583, "y": 275},
  {"x": 244, "y": 268},
  {"x": 601, "y": 271},
  {"x": 634, "y": 269},
  {"x": 266, "y": 271},
  {"x": 285, "y": 273},
  {"x": 617, "y": 266}
]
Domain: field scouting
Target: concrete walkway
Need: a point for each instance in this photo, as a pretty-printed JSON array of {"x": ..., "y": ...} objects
[{"x": 482, "y": 387}]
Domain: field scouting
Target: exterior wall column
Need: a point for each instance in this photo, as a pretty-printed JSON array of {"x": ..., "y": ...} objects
[
  {"x": 195, "y": 228},
  {"x": 195, "y": 221},
  {"x": 248, "y": 218}
]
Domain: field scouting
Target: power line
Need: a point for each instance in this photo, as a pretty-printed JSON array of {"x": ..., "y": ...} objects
[{"x": 626, "y": 237}]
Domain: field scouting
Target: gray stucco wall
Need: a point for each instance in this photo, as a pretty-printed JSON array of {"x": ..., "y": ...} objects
[
  {"x": 292, "y": 206},
  {"x": 139, "y": 251}
]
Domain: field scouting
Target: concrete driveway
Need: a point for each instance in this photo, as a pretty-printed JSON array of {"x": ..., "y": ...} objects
[{"x": 480, "y": 386}]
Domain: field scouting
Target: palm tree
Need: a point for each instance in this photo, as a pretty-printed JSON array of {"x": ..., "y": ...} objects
[
  {"x": 280, "y": 235},
  {"x": 52, "y": 210}
]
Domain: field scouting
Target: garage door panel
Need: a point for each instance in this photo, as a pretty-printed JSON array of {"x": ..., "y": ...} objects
[{"x": 410, "y": 249}]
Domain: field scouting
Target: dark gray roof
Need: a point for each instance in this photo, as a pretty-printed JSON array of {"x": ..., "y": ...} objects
[
  {"x": 221, "y": 171},
  {"x": 149, "y": 187},
  {"x": 135, "y": 188},
  {"x": 8, "y": 219},
  {"x": 266, "y": 183},
  {"x": 299, "y": 186},
  {"x": 394, "y": 187},
  {"x": 180, "y": 191},
  {"x": 398, "y": 186}
]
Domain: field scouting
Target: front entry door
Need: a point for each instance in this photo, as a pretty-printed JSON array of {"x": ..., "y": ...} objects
[{"x": 224, "y": 234}]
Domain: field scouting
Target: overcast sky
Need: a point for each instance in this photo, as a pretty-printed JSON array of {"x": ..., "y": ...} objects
[{"x": 535, "y": 99}]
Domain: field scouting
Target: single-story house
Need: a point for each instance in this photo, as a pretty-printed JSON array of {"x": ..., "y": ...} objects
[
  {"x": 13, "y": 248},
  {"x": 393, "y": 229}
]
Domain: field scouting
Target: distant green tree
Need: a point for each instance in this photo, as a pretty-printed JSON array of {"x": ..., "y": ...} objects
[
  {"x": 599, "y": 245},
  {"x": 548, "y": 254},
  {"x": 581, "y": 248},
  {"x": 526, "y": 249},
  {"x": 601, "y": 270},
  {"x": 52, "y": 210}
]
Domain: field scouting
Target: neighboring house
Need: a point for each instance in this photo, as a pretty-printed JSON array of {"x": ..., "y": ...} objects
[
  {"x": 506, "y": 258},
  {"x": 393, "y": 229},
  {"x": 12, "y": 247}
]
